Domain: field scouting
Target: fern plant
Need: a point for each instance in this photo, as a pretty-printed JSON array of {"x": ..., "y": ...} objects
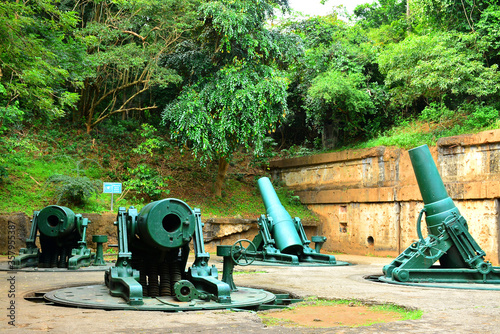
[{"x": 74, "y": 190}]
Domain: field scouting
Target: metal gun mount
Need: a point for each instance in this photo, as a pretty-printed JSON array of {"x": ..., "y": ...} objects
[
  {"x": 281, "y": 239},
  {"x": 150, "y": 272},
  {"x": 153, "y": 252},
  {"x": 62, "y": 241},
  {"x": 449, "y": 241}
]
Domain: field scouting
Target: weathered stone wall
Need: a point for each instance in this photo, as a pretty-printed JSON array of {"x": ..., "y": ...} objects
[{"x": 368, "y": 200}]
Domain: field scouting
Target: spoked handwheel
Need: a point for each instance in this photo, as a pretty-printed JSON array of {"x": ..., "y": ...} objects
[
  {"x": 243, "y": 252},
  {"x": 429, "y": 248}
]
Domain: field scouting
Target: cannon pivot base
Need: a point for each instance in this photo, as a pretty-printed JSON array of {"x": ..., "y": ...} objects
[
  {"x": 268, "y": 254},
  {"x": 98, "y": 297},
  {"x": 443, "y": 284}
]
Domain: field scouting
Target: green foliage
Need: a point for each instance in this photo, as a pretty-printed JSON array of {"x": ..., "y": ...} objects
[
  {"x": 10, "y": 115},
  {"x": 268, "y": 152},
  {"x": 38, "y": 52},
  {"x": 337, "y": 82},
  {"x": 437, "y": 112},
  {"x": 152, "y": 142},
  {"x": 379, "y": 13},
  {"x": 74, "y": 190},
  {"x": 237, "y": 106},
  {"x": 125, "y": 43},
  {"x": 239, "y": 93},
  {"x": 447, "y": 14},
  {"x": 147, "y": 181},
  {"x": 487, "y": 29},
  {"x": 3, "y": 174},
  {"x": 435, "y": 65},
  {"x": 482, "y": 116},
  {"x": 340, "y": 97}
]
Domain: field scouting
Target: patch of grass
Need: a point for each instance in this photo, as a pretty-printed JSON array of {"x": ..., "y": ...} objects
[
  {"x": 404, "y": 313},
  {"x": 242, "y": 272},
  {"x": 400, "y": 312}
]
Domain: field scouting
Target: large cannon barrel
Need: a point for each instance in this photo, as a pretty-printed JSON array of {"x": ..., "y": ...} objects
[
  {"x": 58, "y": 221},
  {"x": 166, "y": 224},
  {"x": 438, "y": 205},
  {"x": 282, "y": 229}
]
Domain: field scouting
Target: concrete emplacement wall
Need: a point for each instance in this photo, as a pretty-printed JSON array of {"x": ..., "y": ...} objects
[{"x": 368, "y": 200}]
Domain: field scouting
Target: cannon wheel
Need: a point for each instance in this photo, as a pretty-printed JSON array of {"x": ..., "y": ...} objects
[
  {"x": 430, "y": 246},
  {"x": 243, "y": 252}
]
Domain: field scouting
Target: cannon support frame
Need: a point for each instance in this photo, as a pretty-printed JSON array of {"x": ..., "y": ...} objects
[
  {"x": 200, "y": 281},
  {"x": 281, "y": 239},
  {"x": 62, "y": 236},
  {"x": 449, "y": 241}
]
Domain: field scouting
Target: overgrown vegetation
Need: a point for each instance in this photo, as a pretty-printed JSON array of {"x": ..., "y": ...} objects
[
  {"x": 136, "y": 85},
  {"x": 66, "y": 168}
]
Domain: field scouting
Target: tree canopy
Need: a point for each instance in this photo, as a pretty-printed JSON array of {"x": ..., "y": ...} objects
[
  {"x": 224, "y": 75},
  {"x": 241, "y": 94}
]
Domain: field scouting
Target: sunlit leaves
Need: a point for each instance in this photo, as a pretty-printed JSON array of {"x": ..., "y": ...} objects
[
  {"x": 431, "y": 66},
  {"x": 236, "y": 107},
  {"x": 37, "y": 56}
]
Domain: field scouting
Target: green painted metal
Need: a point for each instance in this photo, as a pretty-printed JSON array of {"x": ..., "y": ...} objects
[
  {"x": 99, "y": 254},
  {"x": 461, "y": 260},
  {"x": 281, "y": 239},
  {"x": 62, "y": 241},
  {"x": 97, "y": 297},
  {"x": 228, "y": 265},
  {"x": 282, "y": 226},
  {"x": 154, "y": 246}
]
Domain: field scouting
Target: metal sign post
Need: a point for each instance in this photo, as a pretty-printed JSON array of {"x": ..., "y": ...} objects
[{"x": 111, "y": 188}]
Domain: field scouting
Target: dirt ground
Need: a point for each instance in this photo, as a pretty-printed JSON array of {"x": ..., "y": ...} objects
[
  {"x": 332, "y": 316},
  {"x": 445, "y": 310}
]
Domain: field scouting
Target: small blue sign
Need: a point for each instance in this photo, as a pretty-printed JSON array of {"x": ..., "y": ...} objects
[{"x": 111, "y": 188}]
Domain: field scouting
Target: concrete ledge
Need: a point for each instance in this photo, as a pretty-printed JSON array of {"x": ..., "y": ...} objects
[
  {"x": 481, "y": 138},
  {"x": 328, "y": 157}
]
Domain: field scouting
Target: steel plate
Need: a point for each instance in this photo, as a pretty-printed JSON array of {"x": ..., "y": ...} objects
[{"x": 98, "y": 297}]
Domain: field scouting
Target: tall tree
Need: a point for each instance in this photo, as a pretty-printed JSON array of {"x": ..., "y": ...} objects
[
  {"x": 338, "y": 82},
  {"x": 125, "y": 43},
  {"x": 236, "y": 91}
]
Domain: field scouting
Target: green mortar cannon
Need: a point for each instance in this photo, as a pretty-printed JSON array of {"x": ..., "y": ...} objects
[
  {"x": 154, "y": 246},
  {"x": 281, "y": 239},
  {"x": 62, "y": 241},
  {"x": 449, "y": 241}
]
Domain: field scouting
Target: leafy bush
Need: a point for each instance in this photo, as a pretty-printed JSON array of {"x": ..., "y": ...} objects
[
  {"x": 147, "y": 181},
  {"x": 437, "y": 112},
  {"x": 152, "y": 143},
  {"x": 268, "y": 152},
  {"x": 74, "y": 190},
  {"x": 482, "y": 116}
]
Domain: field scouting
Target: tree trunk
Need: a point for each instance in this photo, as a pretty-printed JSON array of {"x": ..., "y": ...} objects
[{"x": 221, "y": 175}]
